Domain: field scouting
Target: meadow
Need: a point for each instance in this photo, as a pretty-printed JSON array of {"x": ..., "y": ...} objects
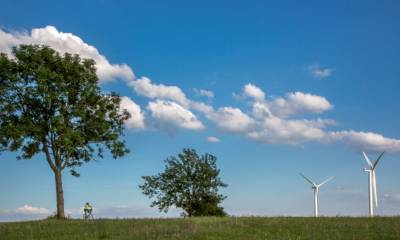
[{"x": 207, "y": 228}]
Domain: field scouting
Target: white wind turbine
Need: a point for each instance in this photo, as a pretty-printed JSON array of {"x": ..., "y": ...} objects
[
  {"x": 372, "y": 194},
  {"x": 316, "y": 187}
]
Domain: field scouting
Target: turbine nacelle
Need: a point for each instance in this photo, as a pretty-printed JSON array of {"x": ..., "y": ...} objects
[
  {"x": 313, "y": 184},
  {"x": 372, "y": 166}
]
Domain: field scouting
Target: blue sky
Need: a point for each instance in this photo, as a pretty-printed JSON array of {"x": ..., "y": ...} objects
[{"x": 285, "y": 88}]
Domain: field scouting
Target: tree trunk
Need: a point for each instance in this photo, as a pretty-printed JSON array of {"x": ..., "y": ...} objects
[{"x": 59, "y": 194}]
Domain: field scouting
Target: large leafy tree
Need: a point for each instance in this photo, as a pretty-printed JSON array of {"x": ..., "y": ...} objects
[
  {"x": 52, "y": 104},
  {"x": 190, "y": 182}
]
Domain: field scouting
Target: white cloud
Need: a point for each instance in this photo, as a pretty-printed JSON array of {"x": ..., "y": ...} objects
[
  {"x": 275, "y": 130},
  {"x": 226, "y": 118},
  {"x": 137, "y": 119},
  {"x": 213, "y": 139},
  {"x": 169, "y": 115},
  {"x": 274, "y": 122},
  {"x": 261, "y": 110},
  {"x": 293, "y": 103},
  {"x": 250, "y": 91},
  {"x": 66, "y": 42},
  {"x": 299, "y": 103},
  {"x": 231, "y": 119},
  {"x": 203, "y": 93},
  {"x": 319, "y": 72},
  {"x": 26, "y": 212},
  {"x": 254, "y": 92},
  {"x": 176, "y": 111},
  {"x": 366, "y": 141},
  {"x": 27, "y": 209},
  {"x": 145, "y": 87},
  {"x": 202, "y": 107}
]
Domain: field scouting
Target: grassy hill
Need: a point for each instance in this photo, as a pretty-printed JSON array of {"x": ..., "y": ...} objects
[{"x": 207, "y": 228}]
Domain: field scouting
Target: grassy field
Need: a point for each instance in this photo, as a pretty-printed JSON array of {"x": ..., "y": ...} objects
[{"x": 208, "y": 228}]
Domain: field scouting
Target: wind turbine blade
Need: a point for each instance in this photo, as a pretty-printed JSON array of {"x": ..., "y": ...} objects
[
  {"x": 307, "y": 179},
  {"x": 327, "y": 180},
  {"x": 374, "y": 188},
  {"x": 377, "y": 160},
  {"x": 368, "y": 161}
]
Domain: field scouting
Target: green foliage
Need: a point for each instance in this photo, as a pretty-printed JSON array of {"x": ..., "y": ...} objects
[
  {"x": 208, "y": 206},
  {"x": 189, "y": 182},
  {"x": 204, "y": 228},
  {"x": 51, "y": 103}
]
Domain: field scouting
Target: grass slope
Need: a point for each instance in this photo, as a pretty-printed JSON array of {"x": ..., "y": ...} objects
[{"x": 207, "y": 228}]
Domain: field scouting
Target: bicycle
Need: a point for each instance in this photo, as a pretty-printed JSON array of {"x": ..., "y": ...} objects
[{"x": 87, "y": 215}]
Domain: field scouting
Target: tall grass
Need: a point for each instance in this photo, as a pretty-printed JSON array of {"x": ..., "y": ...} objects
[{"x": 208, "y": 228}]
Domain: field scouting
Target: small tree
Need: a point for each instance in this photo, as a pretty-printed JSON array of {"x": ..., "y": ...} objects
[
  {"x": 52, "y": 104},
  {"x": 189, "y": 182}
]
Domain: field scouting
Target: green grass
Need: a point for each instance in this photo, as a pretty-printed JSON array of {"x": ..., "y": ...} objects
[{"x": 208, "y": 228}]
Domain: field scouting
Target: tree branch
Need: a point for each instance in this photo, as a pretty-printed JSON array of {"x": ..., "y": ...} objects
[
  {"x": 48, "y": 157},
  {"x": 64, "y": 165},
  {"x": 56, "y": 155}
]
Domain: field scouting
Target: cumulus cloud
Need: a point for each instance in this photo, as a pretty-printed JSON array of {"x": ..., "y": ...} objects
[
  {"x": 318, "y": 72},
  {"x": 137, "y": 119},
  {"x": 250, "y": 91},
  {"x": 203, "y": 93},
  {"x": 298, "y": 103},
  {"x": 169, "y": 115},
  {"x": 366, "y": 141},
  {"x": 26, "y": 212},
  {"x": 66, "y": 42},
  {"x": 213, "y": 139},
  {"x": 254, "y": 92},
  {"x": 261, "y": 110},
  {"x": 231, "y": 119},
  {"x": 202, "y": 107},
  {"x": 274, "y": 122},
  {"x": 281, "y": 131},
  {"x": 293, "y": 103},
  {"x": 144, "y": 87},
  {"x": 27, "y": 209},
  {"x": 269, "y": 121},
  {"x": 173, "y": 109},
  {"x": 227, "y": 119}
]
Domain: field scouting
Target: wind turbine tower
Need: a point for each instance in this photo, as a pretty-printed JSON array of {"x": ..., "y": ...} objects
[
  {"x": 372, "y": 193},
  {"x": 316, "y": 187}
]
